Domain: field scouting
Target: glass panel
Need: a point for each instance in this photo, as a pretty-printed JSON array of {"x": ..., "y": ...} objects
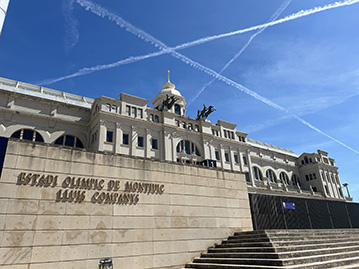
[
  {"x": 139, "y": 113},
  {"x": 109, "y": 136},
  {"x": 187, "y": 147},
  {"x": 28, "y": 134},
  {"x": 69, "y": 140},
  {"x": 177, "y": 109},
  {"x": 16, "y": 134},
  {"x": 154, "y": 144},
  {"x": 140, "y": 141},
  {"x": 38, "y": 137},
  {"x": 79, "y": 144},
  {"x": 60, "y": 141},
  {"x": 125, "y": 139}
]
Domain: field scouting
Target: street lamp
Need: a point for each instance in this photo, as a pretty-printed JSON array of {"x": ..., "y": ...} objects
[
  {"x": 346, "y": 186},
  {"x": 105, "y": 263}
]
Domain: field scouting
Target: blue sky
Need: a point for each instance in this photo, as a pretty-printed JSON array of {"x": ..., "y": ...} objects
[{"x": 304, "y": 70}]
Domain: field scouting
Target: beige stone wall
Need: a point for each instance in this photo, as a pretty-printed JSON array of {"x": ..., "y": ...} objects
[{"x": 191, "y": 209}]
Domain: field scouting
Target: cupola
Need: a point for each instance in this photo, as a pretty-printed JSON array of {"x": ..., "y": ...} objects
[{"x": 168, "y": 95}]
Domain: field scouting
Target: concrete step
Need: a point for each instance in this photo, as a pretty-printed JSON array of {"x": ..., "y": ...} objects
[
  {"x": 284, "y": 249},
  {"x": 279, "y": 255}
]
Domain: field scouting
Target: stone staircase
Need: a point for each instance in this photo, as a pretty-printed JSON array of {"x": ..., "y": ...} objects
[{"x": 271, "y": 249}]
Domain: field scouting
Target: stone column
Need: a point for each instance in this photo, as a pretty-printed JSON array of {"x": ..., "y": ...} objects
[
  {"x": 148, "y": 143},
  {"x": 101, "y": 135},
  {"x": 250, "y": 168},
  {"x": 118, "y": 138},
  {"x": 133, "y": 141}
]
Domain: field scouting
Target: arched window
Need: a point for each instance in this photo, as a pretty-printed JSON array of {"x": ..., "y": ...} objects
[
  {"x": 177, "y": 109},
  {"x": 295, "y": 179},
  {"x": 271, "y": 175},
  {"x": 306, "y": 159},
  {"x": 187, "y": 147},
  {"x": 257, "y": 173},
  {"x": 69, "y": 141},
  {"x": 28, "y": 134},
  {"x": 284, "y": 178}
]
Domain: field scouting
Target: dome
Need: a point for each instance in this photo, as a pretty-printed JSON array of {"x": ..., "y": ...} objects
[{"x": 169, "y": 88}]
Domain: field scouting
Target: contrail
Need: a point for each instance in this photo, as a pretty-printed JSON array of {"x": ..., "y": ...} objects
[
  {"x": 98, "y": 10},
  {"x": 321, "y": 132},
  {"x": 143, "y": 35},
  {"x": 294, "y": 16},
  {"x": 88, "y": 70},
  {"x": 72, "y": 32},
  {"x": 273, "y": 17}
]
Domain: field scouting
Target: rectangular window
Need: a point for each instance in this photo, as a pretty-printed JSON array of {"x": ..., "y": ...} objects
[
  {"x": 125, "y": 139},
  {"x": 177, "y": 123},
  {"x": 154, "y": 143},
  {"x": 314, "y": 176},
  {"x": 190, "y": 126},
  {"x": 235, "y": 158},
  {"x": 306, "y": 178},
  {"x": 128, "y": 110},
  {"x": 108, "y": 106},
  {"x": 113, "y": 108},
  {"x": 139, "y": 113},
  {"x": 133, "y": 112},
  {"x": 196, "y": 128},
  {"x": 226, "y": 156},
  {"x": 244, "y": 160},
  {"x": 225, "y": 133},
  {"x": 140, "y": 141},
  {"x": 217, "y": 155},
  {"x": 109, "y": 136},
  {"x": 247, "y": 177},
  {"x": 151, "y": 117}
]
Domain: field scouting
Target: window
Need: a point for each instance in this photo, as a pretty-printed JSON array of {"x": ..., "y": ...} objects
[
  {"x": 247, "y": 177},
  {"x": 295, "y": 179},
  {"x": 271, "y": 175},
  {"x": 125, "y": 139},
  {"x": 244, "y": 160},
  {"x": 157, "y": 119},
  {"x": 284, "y": 178},
  {"x": 184, "y": 125},
  {"x": 140, "y": 141},
  {"x": 235, "y": 158},
  {"x": 28, "y": 134},
  {"x": 109, "y": 136},
  {"x": 69, "y": 141},
  {"x": 177, "y": 109},
  {"x": 257, "y": 173},
  {"x": 94, "y": 137},
  {"x": 315, "y": 189},
  {"x": 190, "y": 126},
  {"x": 196, "y": 128},
  {"x": 306, "y": 178},
  {"x": 154, "y": 143},
  {"x": 217, "y": 155},
  {"x": 226, "y": 156},
  {"x": 306, "y": 159},
  {"x": 108, "y": 107},
  {"x": 139, "y": 113},
  {"x": 128, "y": 110},
  {"x": 187, "y": 147},
  {"x": 133, "y": 112},
  {"x": 151, "y": 117}
]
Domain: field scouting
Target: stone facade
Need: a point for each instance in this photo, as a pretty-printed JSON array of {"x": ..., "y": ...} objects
[
  {"x": 130, "y": 127},
  {"x": 68, "y": 208}
]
